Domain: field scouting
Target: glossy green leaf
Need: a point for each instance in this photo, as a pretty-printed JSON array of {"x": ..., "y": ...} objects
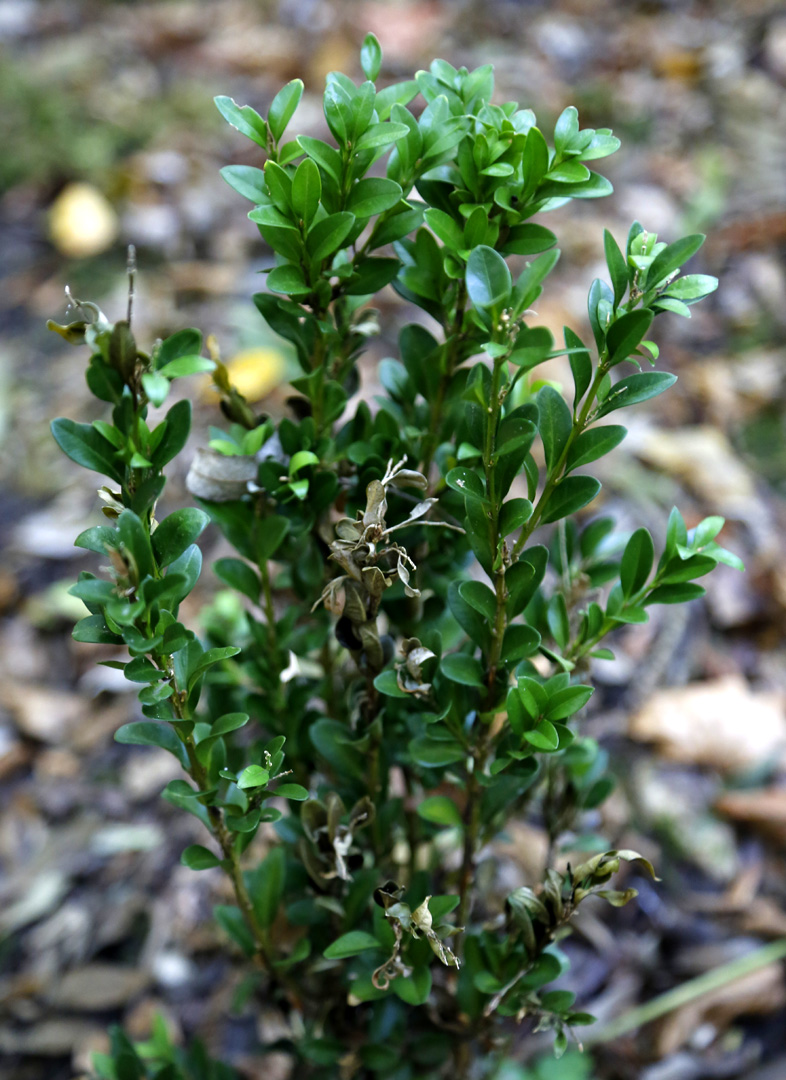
[
  {"x": 555, "y": 424},
  {"x": 282, "y": 108},
  {"x": 569, "y": 496},
  {"x": 626, "y": 334},
  {"x": 673, "y": 257},
  {"x": 197, "y": 857},
  {"x": 85, "y": 446},
  {"x": 373, "y": 195},
  {"x": 637, "y": 560},
  {"x": 593, "y": 444},
  {"x": 244, "y": 119},
  {"x": 635, "y": 388},
  {"x": 488, "y": 278},
  {"x": 480, "y": 597},
  {"x": 371, "y": 57},
  {"x": 618, "y": 267},
  {"x": 247, "y": 181},
  {"x": 306, "y": 191},
  {"x": 177, "y": 532},
  {"x": 460, "y": 668}
]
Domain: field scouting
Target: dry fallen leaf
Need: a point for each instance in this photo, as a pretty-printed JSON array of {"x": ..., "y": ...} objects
[
  {"x": 759, "y": 993},
  {"x": 722, "y": 724},
  {"x": 764, "y": 809},
  {"x": 704, "y": 459}
]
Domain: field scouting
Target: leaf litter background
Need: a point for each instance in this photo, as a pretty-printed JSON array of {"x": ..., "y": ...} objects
[{"x": 109, "y": 136}]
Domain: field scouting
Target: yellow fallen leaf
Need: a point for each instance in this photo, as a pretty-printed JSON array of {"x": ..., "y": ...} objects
[
  {"x": 82, "y": 222},
  {"x": 252, "y": 372}
]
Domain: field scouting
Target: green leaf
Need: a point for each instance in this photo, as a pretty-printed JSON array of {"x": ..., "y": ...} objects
[
  {"x": 351, "y": 944},
  {"x": 435, "y": 753},
  {"x": 373, "y": 195},
  {"x": 273, "y": 530},
  {"x": 555, "y": 424},
  {"x": 94, "y": 631},
  {"x": 564, "y": 703},
  {"x": 488, "y": 278},
  {"x": 566, "y": 129},
  {"x": 177, "y": 426},
  {"x": 238, "y": 575},
  {"x": 440, "y": 810},
  {"x": 470, "y": 621},
  {"x": 207, "y": 659},
  {"x": 288, "y": 279},
  {"x": 244, "y": 119},
  {"x": 692, "y": 287},
  {"x": 327, "y": 157},
  {"x": 626, "y": 334},
  {"x": 519, "y": 642},
  {"x": 246, "y": 181},
  {"x": 152, "y": 733},
  {"x": 231, "y": 921},
  {"x": 480, "y": 597},
  {"x": 253, "y": 776},
  {"x": 414, "y": 989},
  {"x": 296, "y": 792},
  {"x": 466, "y": 482},
  {"x": 186, "y": 365},
  {"x": 514, "y": 514},
  {"x": 326, "y": 236},
  {"x": 98, "y": 539},
  {"x": 529, "y": 280},
  {"x": 557, "y": 618},
  {"x": 528, "y": 239},
  {"x": 156, "y": 387},
  {"x": 594, "y": 444},
  {"x": 445, "y": 228},
  {"x": 580, "y": 364},
  {"x": 675, "y": 594},
  {"x": 569, "y": 496},
  {"x": 268, "y": 886},
  {"x": 197, "y": 857},
  {"x": 282, "y": 108},
  {"x": 370, "y": 57},
  {"x": 186, "y": 342},
  {"x": 371, "y": 275},
  {"x": 381, "y": 135},
  {"x": 460, "y": 668},
  {"x": 618, "y": 267},
  {"x": 177, "y": 532},
  {"x": 306, "y": 191},
  {"x": 673, "y": 257},
  {"x": 387, "y": 683},
  {"x": 543, "y": 737},
  {"x": 637, "y": 560},
  {"x": 635, "y": 388},
  {"x": 85, "y": 446}
]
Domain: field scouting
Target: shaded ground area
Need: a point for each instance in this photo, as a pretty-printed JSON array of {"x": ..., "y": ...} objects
[{"x": 98, "y": 921}]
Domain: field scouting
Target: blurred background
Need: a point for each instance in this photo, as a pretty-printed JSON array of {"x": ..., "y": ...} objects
[{"x": 108, "y": 135}]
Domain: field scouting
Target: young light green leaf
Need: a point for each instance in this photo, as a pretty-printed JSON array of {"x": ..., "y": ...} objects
[{"x": 673, "y": 257}]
